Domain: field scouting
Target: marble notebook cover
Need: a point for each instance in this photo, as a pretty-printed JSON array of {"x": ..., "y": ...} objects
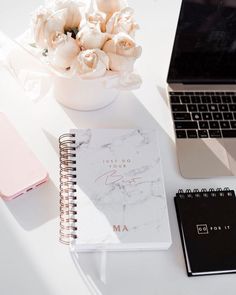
[{"x": 121, "y": 202}]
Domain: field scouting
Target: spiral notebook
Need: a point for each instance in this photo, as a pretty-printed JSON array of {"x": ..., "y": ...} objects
[
  {"x": 112, "y": 194},
  {"x": 207, "y": 225}
]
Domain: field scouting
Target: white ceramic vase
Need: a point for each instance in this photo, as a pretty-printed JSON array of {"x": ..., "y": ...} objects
[{"x": 83, "y": 94}]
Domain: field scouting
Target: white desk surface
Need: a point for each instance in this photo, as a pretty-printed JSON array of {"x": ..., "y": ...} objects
[{"x": 32, "y": 261}]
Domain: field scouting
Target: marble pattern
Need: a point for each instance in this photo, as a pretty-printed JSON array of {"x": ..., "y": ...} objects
[{"x": 120, "y": 184}]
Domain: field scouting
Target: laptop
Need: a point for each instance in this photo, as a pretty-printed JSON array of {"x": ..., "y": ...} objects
[{"x": 202, "y": 88}]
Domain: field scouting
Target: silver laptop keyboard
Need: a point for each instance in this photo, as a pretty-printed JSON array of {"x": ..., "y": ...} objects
[{"x": 204, "y": 114}]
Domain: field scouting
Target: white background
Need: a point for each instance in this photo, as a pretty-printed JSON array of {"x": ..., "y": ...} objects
[{"x": 31, "y": 259}]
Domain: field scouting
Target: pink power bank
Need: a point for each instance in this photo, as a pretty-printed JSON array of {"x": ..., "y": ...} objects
[{"x": 20, "y": 170}]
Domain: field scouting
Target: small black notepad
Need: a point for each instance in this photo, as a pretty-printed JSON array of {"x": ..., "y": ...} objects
[{"x": 207, "y": 224}]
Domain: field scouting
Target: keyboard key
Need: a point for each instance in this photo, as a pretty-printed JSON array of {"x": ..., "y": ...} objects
[
  {"x": 203, "y": 125},
  {"x": 206, "y": 99},
  {"x": 192, "y": 107},
  {"x": 213, "y": 108},
  {"x": 181, "y": 134},
  {"x": 176, "y": 93},
  {"x": 224, "y": 124},
  {"x": 226, "y": 99},
  {"x": 189, "y": 93},
  {"x": 186, "y": 125},
  {"x": 216, "y": 99},
  {"x": 234, "y": 98},
  {"x": 192, "y": 133},
  {"x": 207, "y": 116},
  {"x": 223, "y": 108},
  {"x": 185, "y": 99},
  {"x": 232, "y": 107},
  {"x": 196, "y": 116},
  {"x": 195, "y": 99},
  {"x": 215, "y": 133},
  {"x": 214, "y": 125},
  {"x": 229, "y": 133},
  {"x": 233, "y": 124},
  {"x": 228, "y": 116},
  {"x": 181, "y": 116},
  {"x": 217, "y": 116},
  {"x": 175, "y": 99},
  {"x": 202, "y": 108},
  {"x": 202, "y": 133},
  {"x": 234, "y": 116},
  {"x": 179, "y": 108}
]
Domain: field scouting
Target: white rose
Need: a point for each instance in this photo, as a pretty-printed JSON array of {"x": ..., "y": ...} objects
[
  {"x": 90, "y": 37},
  {"x": 122, "y": 51},
  {"x": 122, "y": 21},
  {"x": 92, "y": 63},
  {"x": 111, "y": 6},
  {"x": 46, "y": 25},
  {"x": 63, "y": 57},
  {"x": 72, "y": 12},
  {"x": 97, "y": 18}
]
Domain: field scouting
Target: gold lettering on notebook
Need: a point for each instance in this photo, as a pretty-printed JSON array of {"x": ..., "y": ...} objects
[
  {"x": 113, "y": 176},
  {"x": 117, "y": 163},
  {"x": 120, "y": 228}
]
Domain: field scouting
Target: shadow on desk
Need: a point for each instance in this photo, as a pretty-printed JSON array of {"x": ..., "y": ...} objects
[
  {"x": 19, "y": 274},
  {"x": 129, "y": 272},
  {"x": 36, "y": 207},
  {"x": 125, "y": 112}
]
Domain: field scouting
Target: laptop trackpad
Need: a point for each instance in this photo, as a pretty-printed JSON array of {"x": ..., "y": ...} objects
[{"x": 202, "y": 158}]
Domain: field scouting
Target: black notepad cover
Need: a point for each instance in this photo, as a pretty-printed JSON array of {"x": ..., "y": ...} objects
[{"x": 207, "y": 227}]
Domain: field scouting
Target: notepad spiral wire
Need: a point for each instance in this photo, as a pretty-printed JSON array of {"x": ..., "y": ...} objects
[
  {"x": 68, "y": 197},
  {"x": 205, "y": 193}
]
